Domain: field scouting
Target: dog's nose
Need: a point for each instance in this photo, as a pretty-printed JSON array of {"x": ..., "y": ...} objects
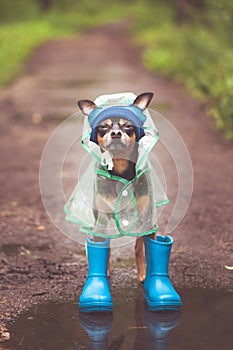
[{"x": 116, "y": 134}]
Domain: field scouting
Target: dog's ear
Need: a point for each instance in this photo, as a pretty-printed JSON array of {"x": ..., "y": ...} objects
[
  {"x": 143, "y": 100},
  {"x": 87, "y": 106}
]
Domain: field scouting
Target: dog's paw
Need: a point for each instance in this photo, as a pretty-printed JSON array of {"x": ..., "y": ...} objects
[{"x": 141, "y": 276}]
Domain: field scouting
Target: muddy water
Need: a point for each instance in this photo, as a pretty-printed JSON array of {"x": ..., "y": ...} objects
[{"x": 205, "y": 322}]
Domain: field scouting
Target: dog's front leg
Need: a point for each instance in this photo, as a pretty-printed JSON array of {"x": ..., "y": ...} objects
[{"x": 140, "y": 260}]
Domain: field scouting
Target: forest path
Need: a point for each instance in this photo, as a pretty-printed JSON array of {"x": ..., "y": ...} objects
[{"x": 37, "y": 262}]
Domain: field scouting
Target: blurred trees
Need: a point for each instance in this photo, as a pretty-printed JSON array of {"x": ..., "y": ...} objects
[
  {"x": 45, "y": 4},
  {"x": 217, "y": 15},
  {"x": 191, "y": 41},
  {"x": 18, "y": 10}
]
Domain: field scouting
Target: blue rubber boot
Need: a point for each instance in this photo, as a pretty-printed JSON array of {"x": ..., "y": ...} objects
[
  {"x": 159, "y": 293},
  {"x": 158, "y": 326},
  {"x": 96, "y": 295},
  {"x": 97, "y": 327}
]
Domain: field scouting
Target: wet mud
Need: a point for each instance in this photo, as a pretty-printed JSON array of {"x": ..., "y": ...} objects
[{"x": 205, "y": 322}]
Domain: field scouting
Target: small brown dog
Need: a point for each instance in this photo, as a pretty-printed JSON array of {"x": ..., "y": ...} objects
[{"x": 120, "y": 137}]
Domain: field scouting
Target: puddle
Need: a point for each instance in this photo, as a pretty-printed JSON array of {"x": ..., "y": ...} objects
[{"x": 205, "y": 322}]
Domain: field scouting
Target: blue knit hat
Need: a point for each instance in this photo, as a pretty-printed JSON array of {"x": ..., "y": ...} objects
[{"x": 132, "y": 113}]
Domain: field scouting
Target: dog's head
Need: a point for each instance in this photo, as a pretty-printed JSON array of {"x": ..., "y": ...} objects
[
  {"x": 116, "y": 128},
  {"x": 115, "y": 134}
]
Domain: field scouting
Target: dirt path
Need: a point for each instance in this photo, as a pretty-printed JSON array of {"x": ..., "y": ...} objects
[{"x": 38, "y": 263}]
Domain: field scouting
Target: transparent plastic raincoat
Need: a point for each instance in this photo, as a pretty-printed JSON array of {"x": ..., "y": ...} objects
[{"x": 132, "y": 207}]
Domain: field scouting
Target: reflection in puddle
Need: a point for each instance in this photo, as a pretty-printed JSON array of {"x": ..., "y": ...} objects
[
  {"x": 204, "y": 323},
  {"x": 149, "y": 331}
]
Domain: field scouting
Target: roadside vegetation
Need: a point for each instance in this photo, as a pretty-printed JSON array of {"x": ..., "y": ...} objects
[
  {"x": 28, "y": 23},
  {"x": 187, "y": 40},
  {"x": 191, "y": 41}
]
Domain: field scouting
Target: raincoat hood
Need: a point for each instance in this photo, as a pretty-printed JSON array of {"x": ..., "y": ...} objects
[{"x": 133, "y": 206}]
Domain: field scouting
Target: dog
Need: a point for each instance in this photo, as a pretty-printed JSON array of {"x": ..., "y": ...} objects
[{"x": 119, "y": 137}]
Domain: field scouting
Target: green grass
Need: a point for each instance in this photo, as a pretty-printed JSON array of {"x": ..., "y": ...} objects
[
  {"x": 194, "y": 54},
  {"x": 18, "y": 39}
]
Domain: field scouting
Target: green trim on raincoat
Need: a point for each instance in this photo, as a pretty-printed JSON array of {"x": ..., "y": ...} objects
[{"x": 80, "y": 209}]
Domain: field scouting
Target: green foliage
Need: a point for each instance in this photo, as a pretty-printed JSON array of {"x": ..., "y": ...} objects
[
  {"x": 198, "y": 53},
  {"x": 19, "y": 37},
  {"x": 18, "y": 10},
  {"x": 219, "y": 18},
  {"x": 17, "y": 41}
]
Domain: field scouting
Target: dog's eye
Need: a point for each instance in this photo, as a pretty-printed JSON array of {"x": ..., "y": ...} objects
[
  {"x": 103, "y": 127},
  {"x": 128, "y": 126}
]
